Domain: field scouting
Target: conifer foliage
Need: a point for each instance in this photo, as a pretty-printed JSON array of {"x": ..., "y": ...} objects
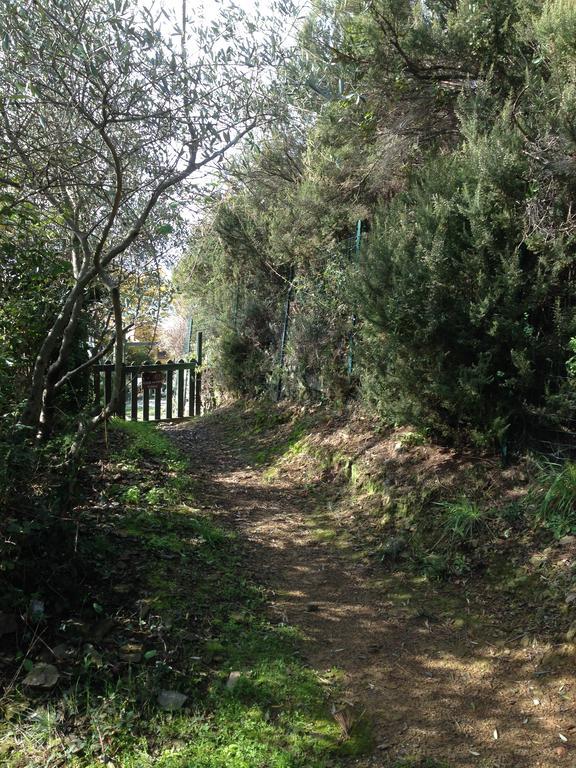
[{"x": 446, "y": 128}]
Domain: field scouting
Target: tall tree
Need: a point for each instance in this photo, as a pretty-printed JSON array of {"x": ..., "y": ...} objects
[{"x": 103, "y": 116}]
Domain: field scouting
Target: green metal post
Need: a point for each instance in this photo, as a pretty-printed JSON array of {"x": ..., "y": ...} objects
[
  {"x": 284, "y": 334},
  {"x": 198, "y": 385}
]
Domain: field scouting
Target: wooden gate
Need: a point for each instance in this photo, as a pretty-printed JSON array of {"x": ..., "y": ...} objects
[{"x": 174, "y": 390}]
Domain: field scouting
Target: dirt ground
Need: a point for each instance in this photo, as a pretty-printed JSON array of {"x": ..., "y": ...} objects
[{"x": 434, "y": 685}]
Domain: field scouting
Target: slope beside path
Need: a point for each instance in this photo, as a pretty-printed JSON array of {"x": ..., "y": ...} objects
[{"x": 429, "y": 667}]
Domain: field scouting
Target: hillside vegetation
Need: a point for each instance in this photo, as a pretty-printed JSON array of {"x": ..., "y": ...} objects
[{"x": 418, "y": 210}]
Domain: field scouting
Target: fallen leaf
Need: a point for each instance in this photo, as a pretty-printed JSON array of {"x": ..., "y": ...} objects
[
  {"x": 562, "y": 737},
  {"x": 131, "y": 652},
  {"x": 495, "y": 734}
]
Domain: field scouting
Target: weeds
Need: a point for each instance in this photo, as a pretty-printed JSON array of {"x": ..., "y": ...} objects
[
  {"x": 171, "y": 584},
  {"x": 554, "y": 498},
  {"x": 463, "y": 520}
]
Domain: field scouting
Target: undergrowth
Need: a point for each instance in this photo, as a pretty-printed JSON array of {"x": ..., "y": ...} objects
[{"x": 163, "y": 605}]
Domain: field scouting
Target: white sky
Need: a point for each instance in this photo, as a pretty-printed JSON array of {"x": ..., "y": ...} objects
[{"x": 207, "y": 8}]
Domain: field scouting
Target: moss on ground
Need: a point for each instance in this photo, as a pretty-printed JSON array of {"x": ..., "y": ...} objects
[{"x": 183, "y": 602}]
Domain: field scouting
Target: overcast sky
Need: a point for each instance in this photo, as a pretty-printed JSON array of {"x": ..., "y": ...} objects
[{"x": 207, "y": 8}]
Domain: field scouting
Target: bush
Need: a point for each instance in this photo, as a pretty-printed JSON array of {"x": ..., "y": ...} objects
[
  {"x": 469, "y": 320},
  {"x": 242, "y": 365}
]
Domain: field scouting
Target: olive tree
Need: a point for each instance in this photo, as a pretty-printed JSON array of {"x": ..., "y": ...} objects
[{"x": 108, "y": 109}]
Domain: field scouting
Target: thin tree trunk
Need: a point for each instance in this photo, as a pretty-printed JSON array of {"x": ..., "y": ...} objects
[
  {"x": 33, "y": 407},
  {"x": 86, "y": 425},
  {"x": 117, "y": 388},
  {"x": 55, "y": 369}
]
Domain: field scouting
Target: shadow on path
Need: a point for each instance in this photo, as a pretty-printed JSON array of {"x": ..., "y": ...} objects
[{"x": 432, "y": 687}]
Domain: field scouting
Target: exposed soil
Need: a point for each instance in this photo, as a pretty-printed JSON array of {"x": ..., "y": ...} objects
[{"x": 443, "y": 672}]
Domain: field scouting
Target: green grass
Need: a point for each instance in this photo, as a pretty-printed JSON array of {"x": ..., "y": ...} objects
[
  {"x": 206, "y": 620},
  {"x": 554, "y": 498},
  {"x": 463, "y": 519}
]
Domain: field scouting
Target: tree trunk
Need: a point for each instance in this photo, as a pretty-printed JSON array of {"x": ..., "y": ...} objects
[
  {"x": 33, "y": 407},
  {"x": 54, "y": 370}
]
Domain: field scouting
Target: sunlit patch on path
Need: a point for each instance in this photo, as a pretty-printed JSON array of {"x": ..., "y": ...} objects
[{"x": 434, "y": 687}]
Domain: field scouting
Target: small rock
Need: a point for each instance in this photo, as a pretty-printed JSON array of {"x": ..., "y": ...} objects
[
  {"x": 393, "y": 547},
  {"x": 170, "y": 701},
  {"x": 233, "y": 679},
  {"x": 62, "y": 651},
  {"x": 42, "y": 676}
]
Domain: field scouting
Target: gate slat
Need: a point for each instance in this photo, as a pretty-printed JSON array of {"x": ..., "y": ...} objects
[
  {"x": 158, "y": 404},
  {"x": 122, "y": 400},
  {"x": 169, "y": 390},
  {"x": 198, "y": 374},
  {"x": 192, "y": 389},
  {"x": 134, "y": 396},
  {"x": 180, "y": 390},
  {"x": 146, "y": 404}
]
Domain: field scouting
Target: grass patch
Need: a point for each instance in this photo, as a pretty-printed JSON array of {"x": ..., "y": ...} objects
[
  {"x": 182, "y": 617},
  {"x": 464, "y": 519},
  {"x": 554, "y": 498}
]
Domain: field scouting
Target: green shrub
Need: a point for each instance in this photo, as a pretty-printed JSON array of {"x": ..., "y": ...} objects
[
  {"x": 469, "y": 320},
  {"x": 242, "y": 365}
]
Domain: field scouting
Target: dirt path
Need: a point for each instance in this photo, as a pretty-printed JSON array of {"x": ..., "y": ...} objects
[{"x": 431, "y": 688}]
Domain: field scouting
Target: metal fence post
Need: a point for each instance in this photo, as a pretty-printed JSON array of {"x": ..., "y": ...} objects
[{"x": 198, "y": 385}]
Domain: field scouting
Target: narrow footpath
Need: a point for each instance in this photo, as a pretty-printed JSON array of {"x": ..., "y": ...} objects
[{"x": 432, "y": 689}]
